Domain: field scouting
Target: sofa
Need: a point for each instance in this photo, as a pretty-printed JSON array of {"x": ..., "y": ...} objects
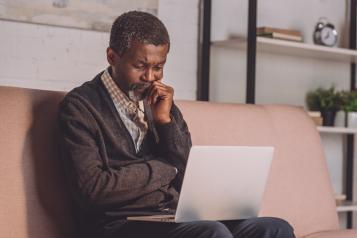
[{"x": 34, "y": 202}]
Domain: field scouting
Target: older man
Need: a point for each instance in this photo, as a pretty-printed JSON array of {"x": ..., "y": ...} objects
[{"x": 125, "y": 144}]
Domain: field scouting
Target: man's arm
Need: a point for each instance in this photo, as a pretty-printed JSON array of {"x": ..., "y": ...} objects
[
  {"x": 175, "y": 143},
  {"x": 175, "y": 140},
  {"x": 174, "y": 137},
  {"x": 93, "y": 181}
]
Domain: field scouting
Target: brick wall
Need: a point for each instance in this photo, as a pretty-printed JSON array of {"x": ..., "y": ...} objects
[{"x": 57, "y": 58}]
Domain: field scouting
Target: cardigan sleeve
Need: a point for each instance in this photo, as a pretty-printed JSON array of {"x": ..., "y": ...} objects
[
  {"x": 93, "y": 183},
  {"x": 175, "y": 142}
]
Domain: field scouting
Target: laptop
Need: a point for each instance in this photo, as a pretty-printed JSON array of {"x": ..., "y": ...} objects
[{"x": 221, "y": 183}]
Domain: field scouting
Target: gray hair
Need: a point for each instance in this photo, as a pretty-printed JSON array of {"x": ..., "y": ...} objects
[{"x": 139, "y": 26}]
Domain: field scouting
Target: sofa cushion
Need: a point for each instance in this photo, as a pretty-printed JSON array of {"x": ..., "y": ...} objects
[
  {"x": 299, "y": 188},
  {"x": 33, "y": 199},
  {"x": 334, "y": 234}
]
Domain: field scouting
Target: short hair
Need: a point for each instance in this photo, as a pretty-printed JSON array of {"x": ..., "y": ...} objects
[{"x": 139, "y": 26}]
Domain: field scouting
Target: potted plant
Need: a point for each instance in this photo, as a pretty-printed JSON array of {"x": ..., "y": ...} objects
[
  {"x": 349, "y": 106},
  {"x": 327, "y": 101}
]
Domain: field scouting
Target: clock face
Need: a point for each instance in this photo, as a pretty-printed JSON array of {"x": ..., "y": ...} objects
[{"x": 328, "y": 36}]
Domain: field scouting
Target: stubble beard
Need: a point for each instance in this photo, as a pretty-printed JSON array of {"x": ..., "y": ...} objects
[{"x": 138, "y": 91}]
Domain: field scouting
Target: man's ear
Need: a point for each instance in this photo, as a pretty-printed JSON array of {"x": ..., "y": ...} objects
[{"x": 112, "y": 57}]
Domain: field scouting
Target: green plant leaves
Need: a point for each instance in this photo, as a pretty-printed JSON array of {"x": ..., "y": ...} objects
[
  {"x": 324, "y": 99},
  {"x": 349, "y": 101},
  {"x": 329, "y": 99}
]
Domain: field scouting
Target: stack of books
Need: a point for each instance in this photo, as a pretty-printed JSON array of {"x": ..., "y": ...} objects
[
  {"x": 277, "y": 33},
  {"x": 316, "y": 117},
  {"x": 340, "y": 198}
]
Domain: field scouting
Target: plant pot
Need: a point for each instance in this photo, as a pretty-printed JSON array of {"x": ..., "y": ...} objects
[
  {"x": 352, "y": 119},
  {"x": 340, "y": 119},
  {"x": 346, "y": 119},
  {"x": 328, "y": 117}
]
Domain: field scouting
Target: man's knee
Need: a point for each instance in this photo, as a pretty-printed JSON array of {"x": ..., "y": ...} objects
[
  {"x": 213, "y": 229},
  {"x": 274, "y": 227}
]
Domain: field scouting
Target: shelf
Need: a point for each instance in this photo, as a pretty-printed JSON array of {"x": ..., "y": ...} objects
[
  {"x": 293, "y": 48},
  {"x": 337, "y": 130},
  {"x": 347, "y": 206}
]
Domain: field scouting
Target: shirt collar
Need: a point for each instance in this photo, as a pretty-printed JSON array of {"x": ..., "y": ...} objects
[{"x": 117, "y": 95}]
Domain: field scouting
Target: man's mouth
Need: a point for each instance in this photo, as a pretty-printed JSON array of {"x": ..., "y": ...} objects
[
  {"x": 140, "y": 87},
  {"x": 138, "y": 91}
]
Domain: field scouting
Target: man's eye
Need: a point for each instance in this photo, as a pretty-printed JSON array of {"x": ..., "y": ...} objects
[
  {"x": 158, "y": 68},
  {"x": 139, "y": 66}
]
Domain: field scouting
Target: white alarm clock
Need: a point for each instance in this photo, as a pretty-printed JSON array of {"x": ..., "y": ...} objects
[{"x": 325, "y": 33}]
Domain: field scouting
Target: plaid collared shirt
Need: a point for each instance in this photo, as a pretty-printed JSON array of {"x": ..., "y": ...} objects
[{"x": 131, "y": 113}]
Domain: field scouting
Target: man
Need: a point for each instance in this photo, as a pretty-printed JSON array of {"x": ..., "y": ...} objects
[{"x": 125, "y": 144}]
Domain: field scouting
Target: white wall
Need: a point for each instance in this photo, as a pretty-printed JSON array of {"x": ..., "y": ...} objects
[
  {"x": 47, "y": 57},
  {"x": 57, "y": 58},
  {"x": 181, "y": 20}
]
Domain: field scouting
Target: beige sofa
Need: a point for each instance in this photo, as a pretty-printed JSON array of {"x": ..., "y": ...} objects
[{"x": 34, "y": 201}]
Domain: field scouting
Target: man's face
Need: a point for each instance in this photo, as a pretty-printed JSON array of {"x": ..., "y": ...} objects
[{"x": 138, "y": 67}]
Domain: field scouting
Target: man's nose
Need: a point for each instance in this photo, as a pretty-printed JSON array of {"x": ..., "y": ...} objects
[{"x": 149, "y": 75}]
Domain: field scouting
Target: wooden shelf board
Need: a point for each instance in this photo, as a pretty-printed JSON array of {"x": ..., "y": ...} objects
[
  {"x": 293, "y": 48},
  {"x": 347, "y": 206},
  {"x": 337, "y": 130}
]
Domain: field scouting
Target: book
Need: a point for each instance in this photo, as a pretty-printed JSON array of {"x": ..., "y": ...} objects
[
  {"x": 282, "y": 34},
  {"x": 314, "y": 113},
  {"x": 265, "y": 30},
  {"x": 316, "y": 117},
  {"x": 340, "y": 198}
]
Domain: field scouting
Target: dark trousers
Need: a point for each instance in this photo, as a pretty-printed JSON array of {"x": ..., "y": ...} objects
[{"x": 263, "y": 227}]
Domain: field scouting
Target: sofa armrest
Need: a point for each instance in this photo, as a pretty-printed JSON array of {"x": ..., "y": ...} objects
[{"x": 334, "y": 234}]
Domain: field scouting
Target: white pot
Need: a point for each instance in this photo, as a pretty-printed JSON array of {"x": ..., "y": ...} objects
[
  {"x": 352, "y": 119},
  {"x": 340, "y": 119}
]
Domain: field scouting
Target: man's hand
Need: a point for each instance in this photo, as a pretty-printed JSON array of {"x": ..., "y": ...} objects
[{"x": 160, "y": 98}]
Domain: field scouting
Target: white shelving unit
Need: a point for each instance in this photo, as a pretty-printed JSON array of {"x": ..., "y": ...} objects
[
  {"x": 293, "y": 48},
  {"x": 298, "y": 51},
  {"x": 303, "y": 50},
  {"x": 344, "y": 206}
]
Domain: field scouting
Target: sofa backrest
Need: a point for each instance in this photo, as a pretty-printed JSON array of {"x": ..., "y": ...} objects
[
  {"x": 33, "y": 198},
  {"x": 299, "y": 188},
  {"x": 33, "y": 201}
]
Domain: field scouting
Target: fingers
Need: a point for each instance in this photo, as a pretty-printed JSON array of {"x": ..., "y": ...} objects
[{"x": 159, "y": 91}]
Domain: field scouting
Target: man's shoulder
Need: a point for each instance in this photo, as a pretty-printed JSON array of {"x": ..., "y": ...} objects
[{"x": 89, "y": 91}]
